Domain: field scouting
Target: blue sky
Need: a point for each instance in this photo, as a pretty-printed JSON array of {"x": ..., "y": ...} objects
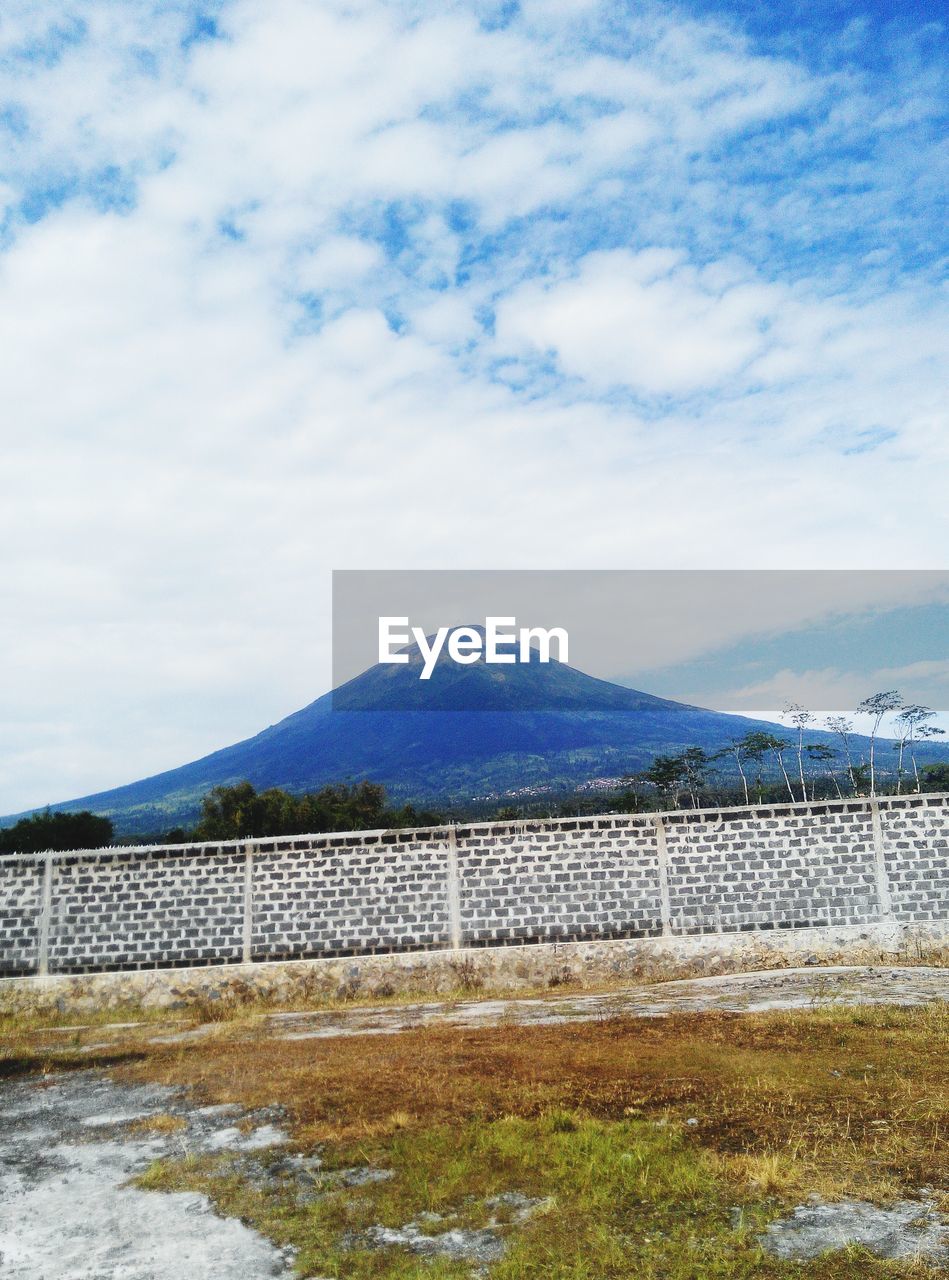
[{"x": 290, "y": 288}]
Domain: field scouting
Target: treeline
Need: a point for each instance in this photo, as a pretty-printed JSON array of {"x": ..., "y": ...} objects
[
  {"x": 57, "y": 831},
  {"x": 808, "y": 770},
  {"x": 239, "y": 812},
  {"x": 230, "y": 813},
  {"x": 693, "y": 779}
]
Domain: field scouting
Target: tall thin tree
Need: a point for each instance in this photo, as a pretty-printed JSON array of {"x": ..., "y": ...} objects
[
  {"x": 755, "y": 747},
  {"x": 696, "y": 764},
  {"x": 922, "y": 732},
  {"x": 878, "y": 705},
  {"x": 800, "y": 717},
  {"x": 843, "y": 729},
  {"x": 736, "y": 748},
  {"x": 911, "y": 719},
  {"x": 778, "y": 747}
]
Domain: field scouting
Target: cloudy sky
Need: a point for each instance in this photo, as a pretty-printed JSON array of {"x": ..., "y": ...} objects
[{"x": 297, "y": 286}]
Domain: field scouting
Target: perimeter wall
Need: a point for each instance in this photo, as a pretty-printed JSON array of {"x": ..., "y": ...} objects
[{"x": 734, "y": 871}]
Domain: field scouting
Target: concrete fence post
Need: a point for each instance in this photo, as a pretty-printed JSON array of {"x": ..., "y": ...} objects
[
  {"x": 248, "y": 931},
  {"x": 662, "y": 854},
  {"x": 454, "y": 892},
  {"x": 46, "y": 911},
  {"x": 879, "y": 856}
]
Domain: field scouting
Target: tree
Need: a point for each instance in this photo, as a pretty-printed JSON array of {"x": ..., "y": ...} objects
[
  {"x": 738, "y": 749},
  {"x": 667, "y": 774},
  {"x": 240, "y": 812},
  {"x": 911, "y": 724},
  {"x": 903, "y": 727},
  {"x": 878, "y": 705},
  {"x": 843, "y": 728},
  {"x": 914, "y": 726},
  {"x": 861, "y": 779},
  {"x": 756, "y": 746},
  {"x": 234, "y": 812},
  {"x": 935, "y": 777},
  {"x": 778, "y": 746},
  {"x": 820, "y": 753},
  {"x": 345, "y": 808},
  {"x": 695, "y": 766},
  {"x": 800, "y": 717},
  {"x": 57, "y": 831}
]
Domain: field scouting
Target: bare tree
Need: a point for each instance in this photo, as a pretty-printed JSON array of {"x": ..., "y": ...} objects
[
  {"x": 843, "y": 728},
  {"x": 903, "y": 725},
  {"x": 800, "y": 717},
  {"x": 737, "y": 748},
  {"x": 878, "y": 705},
  {"x": 695, "y": 765},
  {"x": 911, "y": 719}
]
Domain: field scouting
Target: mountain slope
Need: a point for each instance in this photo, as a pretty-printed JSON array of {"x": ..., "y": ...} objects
[{"x": 467, "y": 731}]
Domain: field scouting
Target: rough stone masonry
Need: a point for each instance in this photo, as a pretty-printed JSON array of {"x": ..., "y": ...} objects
[{"x": 830, "y": 864}]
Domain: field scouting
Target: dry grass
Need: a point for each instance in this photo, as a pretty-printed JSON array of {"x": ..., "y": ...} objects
[
  {"x": 161, "y": 1124},
  {"x": 241, "y": 1003},
  {"x": 856, "y": 1099},
  {"x": 645, "y": 1134}
]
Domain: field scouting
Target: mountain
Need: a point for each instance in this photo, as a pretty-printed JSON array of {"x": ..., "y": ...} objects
[{"x": 466, "y": 732}]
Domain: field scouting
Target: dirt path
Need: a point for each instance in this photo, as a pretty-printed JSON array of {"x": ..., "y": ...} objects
[
  {"x": 68, "y": 1146},
  {"x": 739, "y": 993}
]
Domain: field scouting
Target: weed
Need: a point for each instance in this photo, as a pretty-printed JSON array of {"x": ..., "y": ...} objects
[{"x": 468, "y": 974}]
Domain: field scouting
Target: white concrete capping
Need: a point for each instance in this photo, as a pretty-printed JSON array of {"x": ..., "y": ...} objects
[{"x": 438, "y": 835}]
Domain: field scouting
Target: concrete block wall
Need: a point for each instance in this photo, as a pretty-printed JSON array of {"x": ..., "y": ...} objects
[
  {"x": 349, "y": 894},
  {"x": 126, "y": 909},
  {"x": 786, "y": 868},
  {"x": 21, "y": 911},
  {"x": 916, "y": 848},
  {"x": 559, "y": 881},
  {"x": 728, "y": 871}
]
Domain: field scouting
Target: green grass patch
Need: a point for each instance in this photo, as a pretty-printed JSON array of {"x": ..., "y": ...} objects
[{"x": 621, "y": 1198}]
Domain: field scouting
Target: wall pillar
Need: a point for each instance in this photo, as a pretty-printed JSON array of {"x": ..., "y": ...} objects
[
  {"x": 46, "y": 911},
  {"x": 248, "y": 929},
  {"x": 662, "y": 854},
  {"x": 454, "y": 892},
  {"x": 879, "y": 857}
]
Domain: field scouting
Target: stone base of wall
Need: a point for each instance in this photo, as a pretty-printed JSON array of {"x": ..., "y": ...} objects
[{"x": 515, "y": 969}]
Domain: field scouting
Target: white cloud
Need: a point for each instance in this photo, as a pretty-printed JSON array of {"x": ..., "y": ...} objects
[
  {"x": 275, "y": 355},
  {"x": 447, "y": 320},
  {"x": 647, "y": 321},
  {"x": 337, "y": 262}
]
